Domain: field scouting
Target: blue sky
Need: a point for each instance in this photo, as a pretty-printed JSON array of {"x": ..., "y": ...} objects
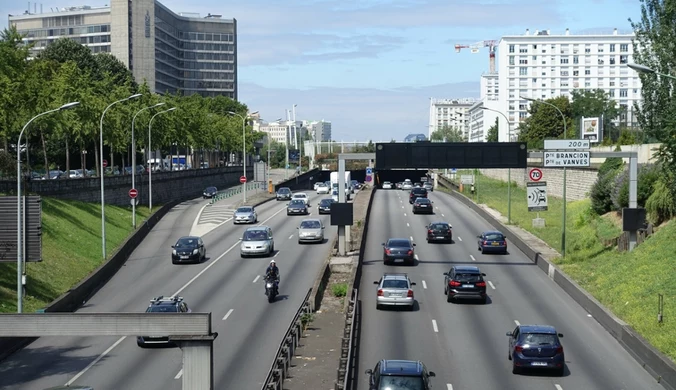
[{"x": 370, "y": 66}]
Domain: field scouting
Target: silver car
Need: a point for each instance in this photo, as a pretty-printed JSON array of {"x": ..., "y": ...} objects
[
  {"x": 257, "y": 240},
  {"x": 395, "y": 290},
  {"x": 310, "y": 230},
  {"x": 428, "y": 186},
  {"x": 245, "y": 214}
]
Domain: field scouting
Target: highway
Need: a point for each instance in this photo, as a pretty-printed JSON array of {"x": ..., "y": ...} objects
[
  {"x": 465, "y": 344},
  {"x": 250, "y": 329}
]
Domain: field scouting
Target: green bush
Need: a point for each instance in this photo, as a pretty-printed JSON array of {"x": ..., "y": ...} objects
[
  {"x": 339, "y": 290},
  {"x": 600, "y": 194},
  {"x": 660, "y": 205},
  {"x": 611, "y": 164},
  {"x": 647, "y": 177}
]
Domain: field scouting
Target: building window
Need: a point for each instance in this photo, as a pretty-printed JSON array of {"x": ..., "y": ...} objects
[
  {"x": 564, "y": 60},
  {"x": 612, "y": 48},
  {"x": 587, "y": 72},
  {"x": 523, "y": 71},
  {"x": 511, "y": 48},
  {"x": 624, "y": 93},
  {"x": 576, "y": 60},
  {"x": 511, "y": 60},
  {"x": 624, "y": 59},
  {"x": 576, "y": 73},
  {"x": 523, "y": 62},
  {"x": 624, "y": 47}
]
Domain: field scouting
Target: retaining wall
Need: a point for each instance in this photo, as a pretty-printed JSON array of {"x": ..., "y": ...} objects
[{"x": 579, "y": 181}]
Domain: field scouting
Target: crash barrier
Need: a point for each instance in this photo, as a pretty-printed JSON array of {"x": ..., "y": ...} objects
[
  {"x": 236, "y": 190},
  {"x": 282, "y": 363},
  {"x": 72, "y": 299},
  {"x": 322, "y": 279},
  {"x": 347, "y": 349},
  {"x": 657, "y": 364},
  {"x": 300, "y": 182}
]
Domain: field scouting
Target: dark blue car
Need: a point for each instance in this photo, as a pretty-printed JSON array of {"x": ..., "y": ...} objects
[
  {"x": 536, "y": 347},
  {"x": 492, "y": 242},
  {"x": 400, "y": 375}
]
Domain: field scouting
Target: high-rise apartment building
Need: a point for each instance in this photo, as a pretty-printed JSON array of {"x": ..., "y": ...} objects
[
  {"x": 449, "y": 113},
  {"x": 542, "y": 65},
  {"x": 480, "y": 119},
  {"x": 320, "y": 131},
  {"x": 172, "y": 52}
]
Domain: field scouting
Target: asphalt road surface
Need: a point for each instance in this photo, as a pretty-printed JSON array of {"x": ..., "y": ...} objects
[
  {"x": 250, "y": 329},
  {"x": 465, "y": 344}
]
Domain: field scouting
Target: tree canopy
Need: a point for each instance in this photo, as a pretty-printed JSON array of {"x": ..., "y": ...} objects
[
  {"x": 492, "y": 135},
  {"x": 448, "y": 133}
]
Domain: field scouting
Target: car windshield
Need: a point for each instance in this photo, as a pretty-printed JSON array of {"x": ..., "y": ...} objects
[
  {"x": 422, "y": 201},
  {"x": 310, "y": 225},
  {"x": 539, "y": 339},
  {"x": 284, "y": 191},
  {"x": 497, "y": 237},
  {"x": 186, "y": 243},
  {"x": 399, "y": 244},
  {"x": 395, "y": 283},
  {"x": 326, "y": 202},
  {"x": 468, "y": 277},
  {"x": 296, "y": 202},
  {"x": 391, "y": 382},
  {"x": 387, "y": 182},
  {"x": 244, "y": 210},
  {"x": 439, "y": 226},
  {"x": 321, "y": 184},
  {"x": 162, "y": 309},
  {"x": 210, "y": 189},
  {"x": 255, "y": 235}
]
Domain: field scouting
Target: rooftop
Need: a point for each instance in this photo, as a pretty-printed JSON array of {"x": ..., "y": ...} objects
[{"x": 580, "y": 33}]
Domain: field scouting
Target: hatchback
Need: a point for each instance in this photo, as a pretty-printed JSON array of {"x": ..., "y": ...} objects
[
  {"x": 398, "y": 249},
  {"x": 536, "y": 346},
  {"x": 492, "y": 242},
  {"x": 464, "y": 282},
  {"x": 395, "y": 290},
  {"x": 439, "y": 231},
  {"x": 284, "y": 193},
  {"x": 257, "y": 240},
  {"x": 324, "y": 205},
  {"x": 416, "y": 193},
  {"x": 188, "y": 249},
  {"x": 400, "y": 375},
  {"x": 245, "y": 214},
  {"x": 310, "y": 230},
  {"x": 422, "y": 205}
]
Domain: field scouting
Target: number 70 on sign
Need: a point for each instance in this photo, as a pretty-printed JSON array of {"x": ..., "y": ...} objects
[{"x": 535, "y": 174}]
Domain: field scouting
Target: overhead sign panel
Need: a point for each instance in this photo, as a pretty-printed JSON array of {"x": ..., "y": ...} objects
[
  {"x": 458, "y": 155},
  {"x": 566, "y": 159},
  {"x": 567, "y": 144}
]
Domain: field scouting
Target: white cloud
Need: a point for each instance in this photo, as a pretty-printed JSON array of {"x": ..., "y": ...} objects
[{"x": 356, "y": 114}]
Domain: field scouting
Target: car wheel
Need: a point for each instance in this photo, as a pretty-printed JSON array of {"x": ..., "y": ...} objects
[
  {"x": 515, "y": 369},
  {"x": 299, "y": 242},
  {"x": 449, "y": 298},
  {"x": 509, "y": 356},
  {"x": 410, "y": 308},
  {"x": 242, "y": 255},
  {"x": 174, "y": 262},
  {"x": 378, "y": 307},
  {"x": 484, "y": 300}
]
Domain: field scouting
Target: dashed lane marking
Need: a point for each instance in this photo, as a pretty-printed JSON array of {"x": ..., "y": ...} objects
[
  {"x": 491, "y": 284},
  {"x": 257, "y": 277},
  {"x": 227, "y": 315},
  {"x": 424, "y": 284},
  {"x": 472, "y": 257},
  {"x": 407, "y": 224},
  {"x": 291, "y": 236},
  {"x": 434, "y": 326},
  {"x": 459, "y": 239},
  {"x": 517, "y": 322},
  {"x": 449, "y": 386},
  {"x": 411, "y": 238},
  {"x": 558, "y": 387},
  {"x": 179, "y": 375}
]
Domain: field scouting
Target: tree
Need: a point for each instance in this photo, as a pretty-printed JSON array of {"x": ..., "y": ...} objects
[
  {"x": 14, "y": 55},
  {"x": 116, "y": 71},
  {"x": 596, "y": 103},
  {"x": 66, "y": 49},
  {"x": 447, "y": 133},
  {"x": 492, "y": 135},
  {"x": 545, "y": 122},
  {"x": 654, "y": 48}
]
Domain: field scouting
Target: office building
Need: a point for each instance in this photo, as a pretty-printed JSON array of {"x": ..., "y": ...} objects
[
  {"x": 544, "y": 65},
  {"x": 172, "y": 52},
  {"x": 449, "y": 113},
  {"x": 320, "y": 131}
]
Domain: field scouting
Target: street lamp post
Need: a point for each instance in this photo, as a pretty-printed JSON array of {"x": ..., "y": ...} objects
[
  {"x": 509, "y": 170},
  {"x": 150, "y": 153},
  {"x": 19, "y": 243},
  {"x": 565, "y": 132},
  {"x": 243, "y": 149},
  {"x": 103, "y": 209},
  {"x": 646, "y": 70},
  {"x": 133, "y": 161}
]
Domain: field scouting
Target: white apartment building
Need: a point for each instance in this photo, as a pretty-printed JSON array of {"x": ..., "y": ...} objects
[
  {"x": 542, "y": 65},
  {"x": 449, "y": 112},
  {"x": 319, "y": 130},
  {"x": 283, "y": 131},
  {"x": 480, "y": 119}
]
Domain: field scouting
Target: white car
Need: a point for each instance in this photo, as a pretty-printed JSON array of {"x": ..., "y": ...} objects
[
  {"x": 387, "y": 185},
  {"x": 302, "y": 196},
  {"x": 334, "y": 195},
  {"x": 317, "y": 184},
  {"x": 323, "y": 189}
]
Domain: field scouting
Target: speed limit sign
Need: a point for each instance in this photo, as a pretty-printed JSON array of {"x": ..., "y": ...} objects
[{"x": 535, "y": 174}]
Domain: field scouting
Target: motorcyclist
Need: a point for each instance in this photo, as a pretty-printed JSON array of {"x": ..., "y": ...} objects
[{"x": 272, "y": 272}]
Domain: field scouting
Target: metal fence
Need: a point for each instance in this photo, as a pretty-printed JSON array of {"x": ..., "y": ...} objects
[
  {"x": 236, "y": 190},
  {"x": 348, "y": 357}
]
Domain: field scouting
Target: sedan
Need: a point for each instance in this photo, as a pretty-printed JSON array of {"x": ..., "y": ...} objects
[
  {"x": 395, "y": 290},
  {"x": 536, "y": 346},
  {"x": 398, "y": 249},
  {"x": 209, "y": 192},
  {"x": 245, "y": 214},
  {"x": 188, "y": 249},
  {"x": 439, "y": 231},
  {"x": 492, "y": 242},
  {"x": 324, "y": 206},
  {"x": 422, "y": 205},
  {"x": 297, "y": 206},
  {"x": 310, "y": 230},
  {"x": 323, "y": 189},
  {"x": 387, "y": 185},
  {"x": 465, "y": 282}
]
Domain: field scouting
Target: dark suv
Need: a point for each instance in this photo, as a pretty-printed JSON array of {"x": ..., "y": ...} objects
[
  {"x": 162, "y": 304},
  {"x": 465, "y": 282},
  {"x": 284, "y": 193},
  {"x": 400, "y": 375},
  {"x": 417, "y": 192}
]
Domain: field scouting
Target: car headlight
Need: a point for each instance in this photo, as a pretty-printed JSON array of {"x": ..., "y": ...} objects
[
  {"x": 196, "y": 251},
  {"x": 173, "y": 252}
]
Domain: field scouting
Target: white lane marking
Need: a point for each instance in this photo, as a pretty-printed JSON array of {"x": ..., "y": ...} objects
[
  {"x": 227, "y": 315},
  {"x": 205, "y": 270},
  {"x": 424, "y": 284},
  {"x": 402, "y": 207},
  {"x": 404, "y": 214},
  {"x": 437, "y": 207},
  {"x": 179, "y": 375},
  {"x": 92, "y": 364},
  {"x": 491, "y": 284},
  {"x": 472, "y": 257},
  {"x": 517, "y": 322},
  {"x": 434, "y": 325},
  {"x": 558, "y": 387},
  {"x": 196, "y": 221},
  {"x": 291, "y": 236},
  {"x": 272, "y": 216},
  {"x": 411, "y": 238},
  {"x": 416, "y": 257},
  {"x": 459, "y": 239},
  {"x": 442, "y": 215},
  {"x": 407, "y": 224},
  {"x": 276, "y": 254},
  {"x": 257, "y": 277},
  {"x": 449, "y": 386}
]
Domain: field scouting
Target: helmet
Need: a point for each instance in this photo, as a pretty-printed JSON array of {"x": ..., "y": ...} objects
[{"x": 272, "y": 261}]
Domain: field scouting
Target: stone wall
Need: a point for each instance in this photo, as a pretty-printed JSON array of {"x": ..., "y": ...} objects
[
  {"x": 579, "y": 181},
  {"x": 167, "y": 186}
]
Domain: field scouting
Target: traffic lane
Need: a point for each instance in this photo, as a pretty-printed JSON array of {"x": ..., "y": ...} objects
[
  {"x": 221, "y": 287},
  {"x": 395, "y": 334},
  {"x": 594, "y": 358},
  {"x": 145, "y": 275}
]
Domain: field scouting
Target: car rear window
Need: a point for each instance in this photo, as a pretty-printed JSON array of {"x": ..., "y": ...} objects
[
  {"x": 468, "y": 277},
  {"x": 497, "y": 237},
  {"x": 395, "y": 283},
  {"x": 423, "y": 200},
  {"x": 539, "y": 339},
  {"x": 419, "y": 191},
  {"x": 163, "y": 309},
  {"x": 438, "y": 226},
  {"x": 391, "y": 382},
  {"x": 399, "y": 243}
]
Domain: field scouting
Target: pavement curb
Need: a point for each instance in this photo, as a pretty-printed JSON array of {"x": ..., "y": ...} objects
[{"x": 656, "y": 363}]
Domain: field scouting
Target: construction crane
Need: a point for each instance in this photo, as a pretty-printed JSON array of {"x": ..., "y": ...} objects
[{"x": 474, "y": 48}]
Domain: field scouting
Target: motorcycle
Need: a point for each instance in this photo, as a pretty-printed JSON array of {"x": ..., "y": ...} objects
[{"x": 271, "y": 289}]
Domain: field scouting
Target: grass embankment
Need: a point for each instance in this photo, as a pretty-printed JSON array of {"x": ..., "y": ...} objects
[
  {"x": 628, "y": 283},
  {"x": 71, "y": 250}
]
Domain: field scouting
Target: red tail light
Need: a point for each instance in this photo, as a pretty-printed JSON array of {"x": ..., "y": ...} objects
[
  {"x": 410, "y": 252},
  {"x": 485, "y": 242},
  {"x": 480, "y": 284},
  {"x": 410, "y": 295},
  {"x": 387, "y": 251},
  {"x": 518, "y": 348},
  {"x": 453, "y": 283},
  {"x": 380, "y": 292},
  {"x": 559, "y": 350},
  {"x": 429, "y": 231}
]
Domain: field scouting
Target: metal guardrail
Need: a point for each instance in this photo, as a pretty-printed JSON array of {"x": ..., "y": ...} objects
[
  {"x": 280, "y": 366},
  {"x": 234, "y": 191},
  {"x": 347, "y": 355}
]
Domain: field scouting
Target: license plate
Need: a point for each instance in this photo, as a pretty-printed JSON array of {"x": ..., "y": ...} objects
[
  {"x": 423, "y": 205},
  {"x": 467, "y": 285},
  {"x": 440, "y": 237},
  {"x": 184, "y": 257},
  {"x": 395, "y": 295},
  {"x": 495, "y": 243},
  {"x": 538, "y": 364}
]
